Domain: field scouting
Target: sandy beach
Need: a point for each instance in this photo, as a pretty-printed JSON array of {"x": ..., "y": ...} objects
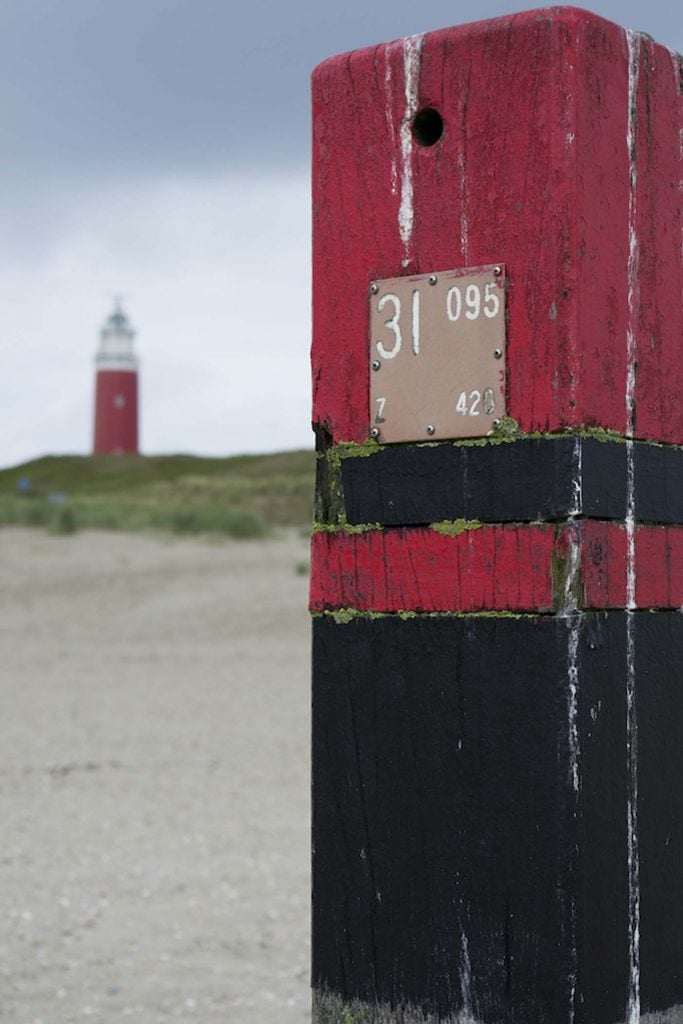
[{"x": 154, "y": 779}]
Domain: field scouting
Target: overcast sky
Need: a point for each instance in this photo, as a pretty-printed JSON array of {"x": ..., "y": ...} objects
[{"x": 160, "y": 149}]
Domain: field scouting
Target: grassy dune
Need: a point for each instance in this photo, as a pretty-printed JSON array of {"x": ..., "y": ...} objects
[{"x": 242, "y": 496}]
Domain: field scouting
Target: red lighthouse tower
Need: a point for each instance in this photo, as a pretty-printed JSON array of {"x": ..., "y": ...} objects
[{"x": 116, "y": 391}]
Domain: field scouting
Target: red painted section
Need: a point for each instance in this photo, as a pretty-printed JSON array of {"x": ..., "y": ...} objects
[
  {"x": 659, "y": 565},
  {"x": 492, "y": 568},
  {"x": 532, "y": 170},
  {"x": 599, "y": 165},
  {"x": 116, "y": 412},
  {"x": 659, "y": 206}
]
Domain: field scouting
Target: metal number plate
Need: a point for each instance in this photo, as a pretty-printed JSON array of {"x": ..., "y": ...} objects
[{"x": 437, "y": 355}]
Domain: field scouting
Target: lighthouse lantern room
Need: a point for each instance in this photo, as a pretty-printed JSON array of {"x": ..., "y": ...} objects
[{"x": 116, "y": 389}]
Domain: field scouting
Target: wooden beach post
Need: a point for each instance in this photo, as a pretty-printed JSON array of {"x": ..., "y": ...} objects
[{"x": 497, "y": 572}]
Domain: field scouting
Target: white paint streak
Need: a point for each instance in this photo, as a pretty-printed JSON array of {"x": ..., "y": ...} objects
[
  {"x": 412, "y": 52},
  {"x": 630, "y": 528},
  {"x": 571, "y": 579},
  {"x": 633, "y": 845},
  {"x": 569, "y": 610},
  {"x": 466, "y": 1015},
  {"x": 634, "y": 44},
  {"x": 464, "y": 224},
  {"x": 632, "y": 270},
  {"x": 389, "y": 114},
  {"x": 573, "y": 618},
  {"x": 577, "y": 481}
]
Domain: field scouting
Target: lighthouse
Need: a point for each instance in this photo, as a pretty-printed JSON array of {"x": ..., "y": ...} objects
[{"x": 116, "y": 388}]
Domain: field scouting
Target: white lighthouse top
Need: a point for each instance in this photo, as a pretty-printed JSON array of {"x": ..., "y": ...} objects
[{"x": 115, "y": 350}]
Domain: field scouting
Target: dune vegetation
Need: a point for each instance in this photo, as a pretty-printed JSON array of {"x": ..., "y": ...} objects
[{"x": 240, "y": 496}]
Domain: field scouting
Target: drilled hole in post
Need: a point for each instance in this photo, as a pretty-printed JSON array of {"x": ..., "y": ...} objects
[{"x": 428, "y": 127}]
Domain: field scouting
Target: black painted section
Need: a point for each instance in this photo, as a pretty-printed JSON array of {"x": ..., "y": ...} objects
[
  {"x": 602, "y": 883},
  {"x": 442, "y": 782},
  {"x": 519, "y": 481},
  {"x": 522, "y": 481},
  {"x": 658, "y": 484},
  {"x": 659, "y": 703},
  {"x": 436, "y": 793},
  {"x": 603, "y": 466}
]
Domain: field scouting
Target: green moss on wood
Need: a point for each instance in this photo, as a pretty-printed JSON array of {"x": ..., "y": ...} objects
[
  {"x": 601, "y": 434},
  {"x": 454, "y": 527},
  {"x": 342, "y": 616},
  {"x": 344, "y": 527},
  {"x": 567, "y": 584}
]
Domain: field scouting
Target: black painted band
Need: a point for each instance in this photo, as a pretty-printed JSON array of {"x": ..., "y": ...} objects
[
  {"x": 470, "y": 790},
  {"x": 530, "y": 480}
]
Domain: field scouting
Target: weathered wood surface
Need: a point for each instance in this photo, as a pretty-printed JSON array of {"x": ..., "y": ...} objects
[
  {"x": 533, "y": 170},
  {"x": 457, "y": 868},
  {"x": 516, "y": 568},
  {"x": 658, "y": 554},
  {"x": 495, "y": 568},
  {"x": 498, "y": 815},
  {"x": 528, "y": 480}
]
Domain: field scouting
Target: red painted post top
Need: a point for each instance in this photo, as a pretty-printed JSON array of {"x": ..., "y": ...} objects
[{"x": 560, "y": 157}]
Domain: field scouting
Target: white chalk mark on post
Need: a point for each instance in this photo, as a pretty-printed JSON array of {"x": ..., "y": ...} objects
[
  {"x": 570, "y": 611},
  {"x": 464, "y": 225},
  {"x": 389, "y": 114},
  {"x": 412, "y": 52},
  {"x": 466, "y": 1015},
  {"x": 577, "y": 481},
  {"x": 572, "y": 615},
  {"x": 573, "y": 619},
  {"x": 634, "y": 41}
]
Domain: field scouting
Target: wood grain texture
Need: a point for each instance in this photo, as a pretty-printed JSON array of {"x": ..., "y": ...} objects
[
  {"x": 659, "y": 225},
  {"x": 525, "y": 481},
  {"x": 532, "y": 170},
  {"x": 495, "y": 568},
  {"x": 658, "y": 560},
  {"x": 528, "y": 480},
  {"x": 659, "y": 665},
  {"x": 492, "y": 568},
  {"x": 497, "y": 804},
  {"x": 457, "y": 870},
  {"x": 439, "y": 769}
]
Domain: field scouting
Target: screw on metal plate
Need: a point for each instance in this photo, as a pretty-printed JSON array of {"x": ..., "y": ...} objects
[
  {"x": 498, "y": 353},
  {"x": 374, "y": 288},
  {"x": 496, "y": 423},
  {"x": 497, "y": 271},
  {"x": 376, "y": 364},
  {"x": 430, "y": 429},
  {"x": 433, "y": 279},
  {"x": 374, "y": 432}
]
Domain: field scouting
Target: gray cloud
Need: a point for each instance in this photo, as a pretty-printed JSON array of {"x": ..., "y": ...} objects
[{"x": 131, "y": 87}]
